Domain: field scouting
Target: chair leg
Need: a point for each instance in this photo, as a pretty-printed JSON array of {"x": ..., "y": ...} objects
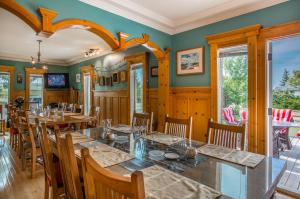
[
  {"x": 23, "y": 160},
  {"x": 33, "y": 163},
  {"x": 46, "y": 189}
]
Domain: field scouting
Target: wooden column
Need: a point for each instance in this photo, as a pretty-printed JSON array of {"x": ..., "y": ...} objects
[
  {"x": 214, "y": 84},
  {"x": 163, "y": 89}
]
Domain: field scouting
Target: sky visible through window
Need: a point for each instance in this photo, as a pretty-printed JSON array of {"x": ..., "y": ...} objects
[{"x": 286, "y": 55}]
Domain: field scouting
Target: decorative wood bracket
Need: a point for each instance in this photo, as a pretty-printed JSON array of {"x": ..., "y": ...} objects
[{"x": 47, "y": 18}]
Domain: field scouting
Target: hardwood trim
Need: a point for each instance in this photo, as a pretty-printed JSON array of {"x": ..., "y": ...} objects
[
  {"x": 136, "y": 59},
  {"x": 270, "y": 33},
  {"x": 195, "y": 90},
  {"x": 88, "y": 69},
  {"x": 247, "y": 35},
  {"x": 29, "y": 71},
  {"x": 10, "y": 70},
  {"x": 22, "y": 13}
]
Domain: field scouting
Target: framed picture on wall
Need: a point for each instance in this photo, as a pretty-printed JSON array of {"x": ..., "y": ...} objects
[
  {"x": 77, "y": 78},
  {"x": 190, "y": 61},
  {"x": 115, "y": 78},
  {"x": 108, "y": 81},
  {"x": 96, "y": 78},
  {"x": 101, "y": 80},
  {"x": 154, "y": 71},
  {"x": 19, "y": 78},
  {"x": 123, "y": 76}
]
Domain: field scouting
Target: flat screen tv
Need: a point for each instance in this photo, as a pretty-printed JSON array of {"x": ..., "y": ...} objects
[{"x": 57, "y": 80}]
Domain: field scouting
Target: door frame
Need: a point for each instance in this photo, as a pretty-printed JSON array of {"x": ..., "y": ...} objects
[
  {"x": 10, "y": 70},
  {"x": 33, "y": 71},
  {"x": 136, "y": 59},
  {"x": 267, "y": 34},
  {"x": 247, "y": 35},
  {"x": 90, "y": 70}
]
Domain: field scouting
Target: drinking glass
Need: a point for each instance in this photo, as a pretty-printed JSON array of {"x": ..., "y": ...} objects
[{"x": 108, "y": 123}]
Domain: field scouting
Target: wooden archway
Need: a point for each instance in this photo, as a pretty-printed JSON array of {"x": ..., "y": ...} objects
[
  {"x": 47, "y": 27},
  {"x": 22, "y": 13}
]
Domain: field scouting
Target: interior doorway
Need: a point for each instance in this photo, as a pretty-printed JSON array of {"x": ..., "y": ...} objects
[
  {"x": 233, "y": 84},
  {"x": 136, "y": 88},
  {"x": 36, "y": 91},
  {"x": 283, "y": 107},
  {"x": 87, "y": 93}
]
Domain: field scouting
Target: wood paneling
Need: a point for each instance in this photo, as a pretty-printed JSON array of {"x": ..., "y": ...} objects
[
  {"x": 195, "y": 102},
  {"x": 184, "y": 102},
  {"x": 56, "y": 96},
  {"x": 114, "y": 105}
]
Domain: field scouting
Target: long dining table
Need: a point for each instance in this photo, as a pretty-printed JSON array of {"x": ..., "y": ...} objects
[{"x": 230, "y": 179}]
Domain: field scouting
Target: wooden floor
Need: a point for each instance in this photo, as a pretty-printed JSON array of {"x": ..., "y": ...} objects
[
  {"x": 17, "y": 184},
  {"x": 290, "y": 181}
]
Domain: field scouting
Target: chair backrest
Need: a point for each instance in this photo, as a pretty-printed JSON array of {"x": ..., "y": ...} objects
[
  {"x": 282, "y": 115},
  {"x": 228, "y": 115},
  {"x": 78, "y": 108},
  {"x": 230, "y": 136},
  {"x": 102, "y": 183},
  {"x": 49, "y": 166},
  {"x": 178, "y": 127},
  {"x": 243, "y": 114},
  {"x": 69, "y": 167},
  {"x": 143, "y": 119}
]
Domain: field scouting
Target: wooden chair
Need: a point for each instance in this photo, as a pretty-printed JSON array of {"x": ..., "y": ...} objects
[
  {"x": 95, "y": 114},
  {"x": 143, "y": 119},
  {"x": 53, "y": 177},
  {"x": 78, "y": 108},
  {"x": 102, "y": 183},
  {"x": 178, "y": 127},
  {"x": 13, "y": 131},
  {"x": 69, "y": 167},
  {"x": 230, "y": 136}
]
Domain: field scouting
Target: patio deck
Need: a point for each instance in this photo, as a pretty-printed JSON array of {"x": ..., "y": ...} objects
[{"x": 290, "y": 181}]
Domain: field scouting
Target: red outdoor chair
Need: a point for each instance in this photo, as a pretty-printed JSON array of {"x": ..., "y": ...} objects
[
  {"x": 283, "y": 115},
  {"x": 228, "y": 115}
]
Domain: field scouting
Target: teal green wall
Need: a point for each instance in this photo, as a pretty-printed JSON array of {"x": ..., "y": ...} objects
[
  {"x": 98, "y": 62},
  {"x": 20, "y": 69},
  {"x": 277, "y": 14},
  {"x": 112, "y": 22}
]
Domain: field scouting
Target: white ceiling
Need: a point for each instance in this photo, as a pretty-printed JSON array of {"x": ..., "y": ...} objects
[
  {"x": 174, "y": 16},
  {"x": 65, "y": 47}
]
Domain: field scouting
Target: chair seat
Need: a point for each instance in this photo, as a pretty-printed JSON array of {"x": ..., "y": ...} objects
[{"x": 27, "y": 145}]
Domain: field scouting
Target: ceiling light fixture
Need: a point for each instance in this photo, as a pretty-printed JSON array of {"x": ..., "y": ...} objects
[
  {"x": 92, "y": 52},
  {"x": 33, "y": 62}
]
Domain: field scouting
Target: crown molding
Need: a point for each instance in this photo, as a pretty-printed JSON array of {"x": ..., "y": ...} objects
[{"x": 145, "y": 16}]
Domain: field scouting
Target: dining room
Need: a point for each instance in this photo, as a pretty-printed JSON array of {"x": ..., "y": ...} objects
[{"x": 134, "y": 99}]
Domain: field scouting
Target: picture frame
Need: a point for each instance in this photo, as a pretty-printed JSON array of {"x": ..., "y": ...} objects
[
  {"x": 123, "y": 76},
  {"x": 115, "y": 78},
  {"x": 19, "y": 78},
  {"x": 190, "y": 61},
  {"x": 101, "y": 80},
  {"x": 96, "y": 78},
  {"x": 154, "y": 71},
  {"x": 108, "y": 81},
  {"x": 78, "y": 78}
]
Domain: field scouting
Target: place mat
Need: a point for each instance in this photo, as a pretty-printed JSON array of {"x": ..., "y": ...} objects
[
  {"x": 161, "y": 183},
  {"x": 163, "y": 138},
  {"x": 105, "y": 155},
  {"x": 232, "y": 155},
  {"x": 76, "y": 137},
  {"x": 123, "y": 129}
]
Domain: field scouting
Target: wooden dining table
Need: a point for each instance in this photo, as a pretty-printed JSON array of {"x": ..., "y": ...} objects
[{"x": 230, "y": 179}]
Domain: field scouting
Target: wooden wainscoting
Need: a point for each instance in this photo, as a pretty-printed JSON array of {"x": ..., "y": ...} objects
[
  {"x": 184, "y": 102},
  {"x": 57, "y": 96},
  {"x": 114, "y": 105},
  {"x": 192, "y": 101}
]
